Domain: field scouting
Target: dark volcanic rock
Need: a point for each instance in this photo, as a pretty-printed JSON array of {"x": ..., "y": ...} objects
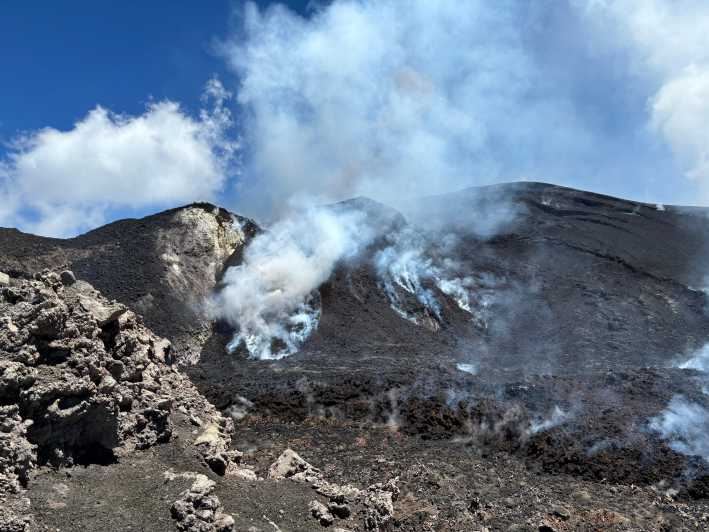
[
  {"x": 199, "y": 510},
  {"x": 588, "y": 302}
]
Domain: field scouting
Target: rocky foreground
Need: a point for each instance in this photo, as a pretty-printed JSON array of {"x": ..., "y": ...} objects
[
  {"x": 95, "y": 414},
  {"x": 84, "y": 383}
]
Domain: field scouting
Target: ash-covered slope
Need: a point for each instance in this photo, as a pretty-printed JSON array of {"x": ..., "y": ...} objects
[
  {"x": 591, "y": 281},
  {"x": 560, "y": 281},
  {"x": 577, "y": 309},
  {"x": 525, "y": 328},
  {"x": 660, "y": 240}
]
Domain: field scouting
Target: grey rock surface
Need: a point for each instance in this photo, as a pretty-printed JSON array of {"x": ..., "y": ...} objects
[
  {"x": 321, "y": 513},
  {"x": 199, "y": 510},
  {"x": 83, "y": 381}
]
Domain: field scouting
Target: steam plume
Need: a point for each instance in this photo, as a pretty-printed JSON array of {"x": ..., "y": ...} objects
[
  {"x": 271, "y": 298},
  {"x": 698, "y": 361},
  {"x": 685, "y": 425},
  {"x": 554, "y": 419},
  {"x": 378, "y": 97}
]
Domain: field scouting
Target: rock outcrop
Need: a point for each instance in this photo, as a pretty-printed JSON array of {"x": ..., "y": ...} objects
[
  {"x": 321, "y": 513},
  {"x": 375, "y": 504},
  {"x": 199, "y": 510},
  {"x": 161, "y": 266},
  {"x": 82, "y": 381},
  {"x": 194, "y": 250}
]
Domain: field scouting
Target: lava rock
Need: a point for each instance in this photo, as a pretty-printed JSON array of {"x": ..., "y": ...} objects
[
  {"x": 199, "y": 510},
  {"x": 291, "y": 465},
  {"x": 320, "y": 512},
  {"x": 342, "y": 511},
  {"x": 67, "y": 277},
  {"x": 82, "y": 380}
]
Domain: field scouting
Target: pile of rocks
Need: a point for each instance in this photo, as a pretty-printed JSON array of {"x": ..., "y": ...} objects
[
  {"x": 82, "y": 380},
  {"x": 376, "y": 503},
  {"x": 199, "y": 510}
]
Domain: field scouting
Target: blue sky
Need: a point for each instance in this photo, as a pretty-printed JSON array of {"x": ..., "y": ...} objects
[
  {"x": 113, "y": 109},
  {"x": 62, "y": 58}
]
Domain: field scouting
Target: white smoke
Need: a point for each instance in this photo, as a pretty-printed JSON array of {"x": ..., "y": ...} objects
[
  {"x": 685, "y": 425},
  {"x": 393, "y": 415},
  {"x": 556, "y": 417},
  {"x": 603, "y": 445},
  {"x": 271, "y": 298},
  {"x": 421, "y": 265},
  {"x": 467, "y": 368},
  {"x": 391, "y": 99},
  {"x": 240, "y": 408},
  {"x": 699, "y": 360},
  {"x": 409, "y": 270},
  {"x": 459, "y": 290}
]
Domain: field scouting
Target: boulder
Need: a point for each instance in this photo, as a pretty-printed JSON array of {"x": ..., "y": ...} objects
[
  {"x": 102, "y": 312},
  {"x": 67, "y": 277},
  {"x": 379, "y": 501},
  {"x": 199, "y": 510},
  {"x": 290, "y": 465},
  {"x": 320, "y": 512}
]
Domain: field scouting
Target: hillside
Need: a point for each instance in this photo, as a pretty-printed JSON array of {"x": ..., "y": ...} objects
[{"x": 514, "y": 355}]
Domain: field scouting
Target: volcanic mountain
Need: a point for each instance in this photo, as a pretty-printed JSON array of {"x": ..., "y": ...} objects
[{"x": 517, "y": 355}]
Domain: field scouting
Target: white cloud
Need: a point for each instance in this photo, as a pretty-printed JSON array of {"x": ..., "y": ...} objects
[
  {"x": 680, "y": 113},
  {"x": 670, "y": 45},
  {"x": 68, "y": 180}
]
